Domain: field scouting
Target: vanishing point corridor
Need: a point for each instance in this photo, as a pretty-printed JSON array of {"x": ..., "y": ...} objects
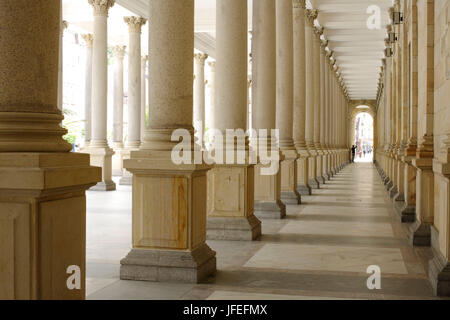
[{"x": 321, "y": 250}]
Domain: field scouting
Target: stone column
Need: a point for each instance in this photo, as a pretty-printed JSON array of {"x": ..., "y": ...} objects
[
  {"x": 409, "y": 212},
  {"x": 329, "y": 113},
  {"x": 199, "y": 96},
  {"x": 169, "y": 199},
  {"x": 101, "y": 153},
  {"x": 324, "y": 111},
  {"x": 299, "y": 97},
  {"x": 285, "y": 100},
  {"x": 134, "y": 91},
  {"x": 231, "y": 186},
  {"x": 212, "y": 96},
  {"x": 42, "y": 184},
  {"x": 119, "y": 54},
  {"x": 64, "y": 25},
  {"x": 144, "y": 61},
  {"x": 318, "y": 31},
  {"x": 89, "y": 40},
  {"x": 421, "y": 229},
  {"x": 311, "y": 15},
  {"x": 268, "y": 202}
]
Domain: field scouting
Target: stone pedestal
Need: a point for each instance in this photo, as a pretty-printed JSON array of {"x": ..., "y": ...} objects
[
  {"x": 303, "y": 187},
  {"x": 102, "y": 157},
  {"x": 288, "y": 167},
  {"x": 231, "y": 203},
  {"x": 439, "y": 274},
  {"x": 169, "y": 221},
  {"x": 43, "y": 223},
  {"x": 408, "y": 213}
]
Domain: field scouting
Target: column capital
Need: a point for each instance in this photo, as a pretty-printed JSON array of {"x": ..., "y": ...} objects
[
  {"x": 101, "y": 7},
  {"x": 201, "y": 57},
  {"x": 119, "y": 51},
  {"x": 64, "y": 25},
  {"x": 311, "y": 15},
  {"x": 318, "y": 31},
  {"x": 299, "y": 4},
  {"x": 88, "y": 39},
  {"x": 135, "y": 23},
  {"x": 212, "y": 65}
]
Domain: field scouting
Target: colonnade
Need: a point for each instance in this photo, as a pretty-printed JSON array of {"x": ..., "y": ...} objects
[
  {"x": 413, "y": 145},
  {"x": 176, "y": 207}
]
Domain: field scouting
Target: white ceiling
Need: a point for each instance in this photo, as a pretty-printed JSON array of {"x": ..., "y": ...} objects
[{"x": 358, "y": 50}]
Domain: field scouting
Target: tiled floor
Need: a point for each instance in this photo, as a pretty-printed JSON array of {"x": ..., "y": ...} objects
[{"x": 320, "y": 251}]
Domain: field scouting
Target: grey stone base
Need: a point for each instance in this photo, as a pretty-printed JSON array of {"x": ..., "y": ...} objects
[
  {"x": 233, "y": 229},
  {"x": 420, "y": 234},
  {"x": 389, "y": 185},
  {"x": 291, "y": 197},
  {"x": 314, "y": 184},
  {"x": 439, "y": 275},
  {"x": 408, "y": 214},
  {"x": 399, "y": 197},
  {"x": 104, "y": 186},
  {"x": 126, "y": 181},
  {"x": 304, "y": 190},
  {"x": 393, "y": 192},
  {"x": 330, "y": 175},
  {"x": 325, "y": 178},
  {"x": 386, "y": 181},
  {"x": 169, "y": 265},
  {"x": 270, "y": 210},
  {"x": 321, "y": 179}
]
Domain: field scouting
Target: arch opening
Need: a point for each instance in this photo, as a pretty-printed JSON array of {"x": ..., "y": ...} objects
[{"x": 363, "y": 132}]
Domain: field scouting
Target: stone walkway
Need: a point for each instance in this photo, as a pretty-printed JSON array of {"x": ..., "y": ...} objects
[{"x": 320, "y": 251}]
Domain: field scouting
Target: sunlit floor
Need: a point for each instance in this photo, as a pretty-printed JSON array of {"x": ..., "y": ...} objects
[{"x": 320, "y": 251}]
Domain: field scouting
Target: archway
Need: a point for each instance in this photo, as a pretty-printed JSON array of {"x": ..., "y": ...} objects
[{"x": 363, "y": 129}]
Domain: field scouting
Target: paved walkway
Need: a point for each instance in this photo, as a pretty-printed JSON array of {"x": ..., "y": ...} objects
[{"x": 320, "y": 251}]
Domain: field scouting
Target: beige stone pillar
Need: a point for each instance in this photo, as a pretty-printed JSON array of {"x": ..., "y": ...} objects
[
  {"x": 101, "y": 153},
  {"x": 199, "y": 96},
  {"x": 212, "y": 95},
  {"x": 329, "y": 117},
  {"x": 89, "y": 41},
  {"x": 169, "y": 199},
  {"x": 119, "y": 54},
  {"x": 268, "y": 202},
  {"x": 231, "y": 187},
  {"x": 42, "y": 184},
  {"x": 324, "y": 111},
  {"x": 311, "y": 66},
  {"x": 318, "y": 31},
  {"x": 285, "y": 100},
  {"x": 64, "y": 26},
  {"x": 144, "y": 60},
  {"x": 409, "y": 212},
  {"x": 421, "y": 229},
  {"x": 134, "y": 91},
  {"x": 300, "y": 97}
]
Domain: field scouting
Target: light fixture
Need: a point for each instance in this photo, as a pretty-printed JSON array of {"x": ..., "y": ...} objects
[
  {"x": 392, "y": 37},
  {"x": 388, "y": 52},
  {"x": 397, "y": 17}
]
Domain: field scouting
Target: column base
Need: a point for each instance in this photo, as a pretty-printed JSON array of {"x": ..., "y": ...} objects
[
  {"x": 330, "y": 175},
  {"x": 291, "y": 197},
  {"x": 439, "y": 275},
  {"x": 314, "y": 184},
  {"x": 399, "y": 197},
  {"x": 408, "y": 214},
  {"x": 233, "y": 229},
  {"x": 169, "y": 265},
  {"x": 104, "y": 186},
  {"x": 393, "y": 191},
  {"x": 269, "y": 210},
  {"x": 304, "y": 190},
  {"x": 420, "y": 234},
  {"x": 321, "y": 180}
]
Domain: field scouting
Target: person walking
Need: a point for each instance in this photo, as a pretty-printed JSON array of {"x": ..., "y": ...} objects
[{"x": 353, "y": 153}]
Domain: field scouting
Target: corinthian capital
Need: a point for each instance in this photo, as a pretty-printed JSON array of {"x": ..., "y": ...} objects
[
  {"x": 88, "y": 39},
  {"x": 135, "y": 23},
  {"x": 311, "y": 15},
  {"x": 299, "y": 4},
  {"x": 201, "y": 57},
  {"x": 119, "y": 51},
  {"x": 318, "y": 31},
  {"x": 212, "y": 66},
  {"x": 101, "y": 7}
]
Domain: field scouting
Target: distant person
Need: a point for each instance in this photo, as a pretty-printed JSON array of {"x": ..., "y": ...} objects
[{"x": 353, "y": 153}]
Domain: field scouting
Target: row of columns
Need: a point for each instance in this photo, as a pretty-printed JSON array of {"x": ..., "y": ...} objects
[{"x": 407, "y": 156}]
